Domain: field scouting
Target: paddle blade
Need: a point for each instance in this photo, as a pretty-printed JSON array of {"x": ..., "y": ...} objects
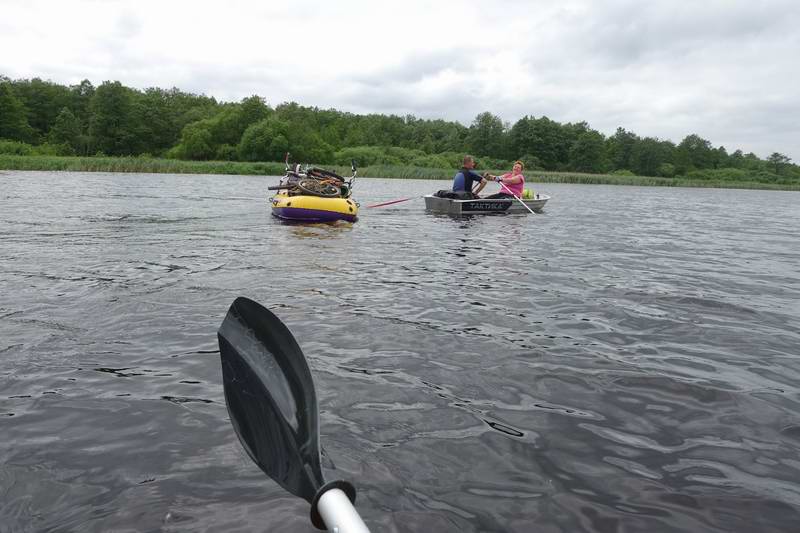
[{"x": 270, "y": 397}]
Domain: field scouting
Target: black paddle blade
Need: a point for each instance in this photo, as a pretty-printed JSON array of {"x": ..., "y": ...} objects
[{"x": 270, "y": 397}]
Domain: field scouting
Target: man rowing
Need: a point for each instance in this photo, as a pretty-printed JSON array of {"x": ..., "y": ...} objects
[{"x": 465, "y": 178}]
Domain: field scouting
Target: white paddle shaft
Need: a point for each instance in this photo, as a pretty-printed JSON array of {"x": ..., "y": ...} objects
[
  {"x": 503, "y": 185},
  {"x": 339, "y": 514}
]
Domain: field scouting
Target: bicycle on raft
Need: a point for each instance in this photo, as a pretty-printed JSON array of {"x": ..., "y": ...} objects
[{"x": 312, "y": 181}]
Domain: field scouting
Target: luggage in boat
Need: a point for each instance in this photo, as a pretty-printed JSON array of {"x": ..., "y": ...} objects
[{"x": 455, "y": 195}]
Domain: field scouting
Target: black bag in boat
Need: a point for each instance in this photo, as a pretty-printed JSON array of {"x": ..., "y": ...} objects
[{"x": 455, "y": 195}]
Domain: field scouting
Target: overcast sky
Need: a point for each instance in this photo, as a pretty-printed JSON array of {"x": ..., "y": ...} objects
[{"x": 726, "y": 70}]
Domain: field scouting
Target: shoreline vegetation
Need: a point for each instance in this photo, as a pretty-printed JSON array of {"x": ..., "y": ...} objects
[
  {"x": 115, "y": 128},
  {"x": 151, "y": 165}
]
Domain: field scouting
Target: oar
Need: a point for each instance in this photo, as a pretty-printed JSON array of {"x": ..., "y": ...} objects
[
  {"x": 394, "y": 201},
  {"x": 273, "y": 408},
  {"x": 503, "y": 185}
]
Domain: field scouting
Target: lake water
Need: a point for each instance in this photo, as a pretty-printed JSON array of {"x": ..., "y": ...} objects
[{"x": 629, "y": 360}]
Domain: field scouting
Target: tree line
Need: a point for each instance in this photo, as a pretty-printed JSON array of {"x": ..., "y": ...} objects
[{"x": 42, "y": 117}]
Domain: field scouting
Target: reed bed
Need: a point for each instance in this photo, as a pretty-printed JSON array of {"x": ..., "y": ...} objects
[
  {"x": 174, "y": 166},
  {"x": 399, "y": 172},
  {"x": 137, "y": 165}
]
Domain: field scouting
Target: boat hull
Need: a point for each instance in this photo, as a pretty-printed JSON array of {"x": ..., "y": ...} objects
[
  {"x": 481, "y": 206},
  {"x": 302, "y": 208}
]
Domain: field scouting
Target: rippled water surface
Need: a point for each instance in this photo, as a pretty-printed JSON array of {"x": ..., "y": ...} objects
[{"x": 625, "y": 361}]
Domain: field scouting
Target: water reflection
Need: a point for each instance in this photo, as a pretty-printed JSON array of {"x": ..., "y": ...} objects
[{"x": 321, "y": 230}]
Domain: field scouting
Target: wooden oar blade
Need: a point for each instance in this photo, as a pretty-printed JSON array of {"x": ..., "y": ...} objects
[{"x": 270, "y": 397}]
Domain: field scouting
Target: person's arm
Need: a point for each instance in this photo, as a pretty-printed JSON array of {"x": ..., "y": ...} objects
[
  {"x": 509, "y": 179},
  {"x": 480, "y": 179},
  {"x": 470, "y": 178}
]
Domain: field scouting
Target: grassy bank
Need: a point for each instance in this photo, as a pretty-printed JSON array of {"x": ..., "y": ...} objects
[
  {"x": 137, "y": 164},
  {"x": 174, "y": 166},
  {"x": 540, "y": 176}
]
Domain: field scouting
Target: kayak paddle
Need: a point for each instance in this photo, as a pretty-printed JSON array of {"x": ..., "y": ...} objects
[{"x": 273, "y": 408}]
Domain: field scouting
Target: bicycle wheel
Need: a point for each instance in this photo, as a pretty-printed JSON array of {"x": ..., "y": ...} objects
[{"x": 317, "y": 188}]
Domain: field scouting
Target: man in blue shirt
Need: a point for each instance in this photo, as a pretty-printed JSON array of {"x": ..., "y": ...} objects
[{"x": 463, "y": 180}]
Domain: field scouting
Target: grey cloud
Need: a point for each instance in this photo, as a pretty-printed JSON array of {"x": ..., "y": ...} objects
[
  {"x": 415, "y": 68},
  {"x": 629, "y": 33},
  {"x": 722, "y": 69},
  {"x": 128, "y": 25}
]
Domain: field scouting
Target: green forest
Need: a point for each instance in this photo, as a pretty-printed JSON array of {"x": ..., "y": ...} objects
[{"x": 42, "y": 118}]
